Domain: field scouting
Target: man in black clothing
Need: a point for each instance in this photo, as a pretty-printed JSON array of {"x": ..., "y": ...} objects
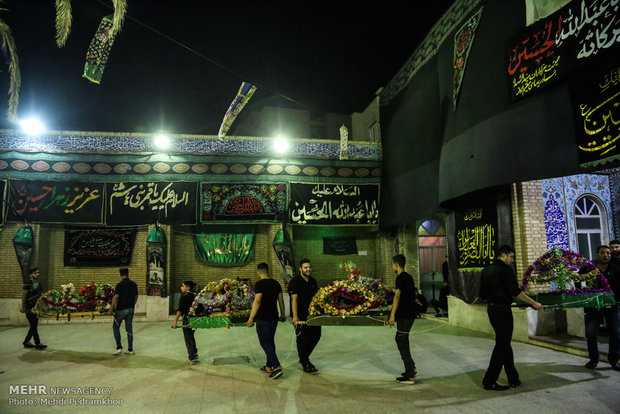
[
  {"x": 185, "y": 303},
  {"x": 498, "y": 285},
  {"x": 301, "y": 289},
  {"x": 403, "y": 314},
  {"x": 30, "y": 295},
  {"x": 593, "y": 316},
  {"x": 125, "y": 298},
  {"x": 265, "y": 312},
  {"x": 614, "y": 245}
]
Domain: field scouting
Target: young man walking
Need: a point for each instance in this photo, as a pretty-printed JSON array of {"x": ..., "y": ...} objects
[
  {"x": 125, "y": 298},
  {"x": 403, "y": 314},
  {"x": 265, "y": 313}
]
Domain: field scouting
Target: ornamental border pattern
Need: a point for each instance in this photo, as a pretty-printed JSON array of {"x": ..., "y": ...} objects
[
  {"x": 572, "y": 188},
  {"x": 102, "y": 143},
  {"x": 24, "y": 166},
  {"x": 429, "y": 47}
]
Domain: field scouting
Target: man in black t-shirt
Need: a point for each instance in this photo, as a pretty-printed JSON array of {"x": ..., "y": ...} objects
[
  {"x": 301, "y": 289},
  {"x": 403, "y": 314},
  {"x": 125, "y": 298},
  {"x": 30, "y": 295},
  {"x": 185, "y": 303},
  {"x": 268, "y": 294},
  {"x": 498, "y": 285}
]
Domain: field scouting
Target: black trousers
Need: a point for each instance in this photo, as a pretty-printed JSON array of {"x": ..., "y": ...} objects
[
  {"x": 502, "y": 356},
  {"x": 403, "y": 327},
  {"x": 307, "y": 339},
  {"x": 190, "y": 341},
  {"x": 33, "y": 320}
]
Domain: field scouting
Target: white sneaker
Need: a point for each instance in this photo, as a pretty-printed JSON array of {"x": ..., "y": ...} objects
[
  {"x": 117, "y": 352},
  {"x": 130, "y": 353}
]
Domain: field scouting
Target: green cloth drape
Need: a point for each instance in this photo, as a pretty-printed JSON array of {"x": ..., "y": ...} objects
[{"x": 224, "y": 245}]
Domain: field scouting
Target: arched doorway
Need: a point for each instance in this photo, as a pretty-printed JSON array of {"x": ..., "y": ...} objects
[{"x": 432, "y": 254}]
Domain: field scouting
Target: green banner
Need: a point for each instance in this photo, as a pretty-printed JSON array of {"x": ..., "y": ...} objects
[{"x": 224, "y": 245}]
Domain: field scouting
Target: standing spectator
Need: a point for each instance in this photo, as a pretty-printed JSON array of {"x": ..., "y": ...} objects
[
  {"x": 301, "y": 289},
  {"x": 614, "y": 245},
  {"x": 185, "y": 303},
  {"x": 30, "y": 295},
  {"x": 498, "y": 285},
  {"x": 265, "y": 311},
  {"x": 403, "y": 314},
  {"x": 125, "y": 298},
  {"x": 594, "y": 317}
]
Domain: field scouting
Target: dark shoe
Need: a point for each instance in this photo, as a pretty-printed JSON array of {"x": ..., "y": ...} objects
[
  {"x": 415, "y": 373},
  {"x": 28, "y": 345},
  {"x": 496, "y": 387},
  {"x": 40, "y": 346},
  {"x": 276, "y": 373},
  {"x": 406, "y": 380},
  {"x": 591, "y": 364},
  {"x": 310, "y": 369},
  {"x": 266, "y": 369},
  {"x": 515, "y": 384},
  {"x": 615, "y": 367}
]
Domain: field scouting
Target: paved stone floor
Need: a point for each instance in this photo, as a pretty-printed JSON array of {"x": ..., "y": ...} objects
[{"x": 357, "y": 368}]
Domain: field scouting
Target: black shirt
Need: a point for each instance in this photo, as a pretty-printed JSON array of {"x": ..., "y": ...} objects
[
  {"x": 34, "y": 293},
  {"x": 127, "y": 290},
  {"x": 305, "y": 291},
  {"x": 406, "y": 303},
  {"x": 499, "y": 283},
  {"x": 185, "y": 302},
  {"x": 612, "y": 274},
  {"x": 270, "y": 289}
]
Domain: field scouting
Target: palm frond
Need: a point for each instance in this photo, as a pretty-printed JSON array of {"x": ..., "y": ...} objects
[
  {"x": 63, "y": 21},
  {"x": 120, "y": 9},
  {"x": 8, "y": 43}
]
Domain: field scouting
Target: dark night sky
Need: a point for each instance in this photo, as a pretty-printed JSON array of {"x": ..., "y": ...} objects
[{"x": 329, "y": 57}]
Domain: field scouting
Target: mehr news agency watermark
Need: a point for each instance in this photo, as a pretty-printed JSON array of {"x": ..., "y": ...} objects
[{"x": 44, "y": 395}]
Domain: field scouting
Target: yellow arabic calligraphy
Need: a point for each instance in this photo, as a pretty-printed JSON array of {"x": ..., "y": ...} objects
[
  {"x": 603, "y": 124},
  {"x": 529, "y": 81},
  {"x": 475, "y": 244},
  {"x": 473, "y": 214},
  {"x": 612, "y": 78}
]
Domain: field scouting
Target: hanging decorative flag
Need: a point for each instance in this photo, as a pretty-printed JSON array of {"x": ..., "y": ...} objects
[
  {"x": 23, "y": 243},
  {"x": 283, "y": 246},
  {"x": 156, "y": 262},
  {"x": 99, "y": 50},
  {"x": 463, "y": 40},
  {"x": 243, "y": 96}
]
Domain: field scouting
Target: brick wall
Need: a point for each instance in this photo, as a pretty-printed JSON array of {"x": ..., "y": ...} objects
[
  {"x": 528, "y": 223},
  {"x": 48, "y": 255}
]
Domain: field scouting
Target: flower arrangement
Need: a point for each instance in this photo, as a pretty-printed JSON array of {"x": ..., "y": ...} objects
[
  {"x": 91, "y": 298},
  {"x": 225, "y": 297},
  {"x": 353, "y": 272},
  {"x": 385, "y": 293},
  {"x": 344, "y": 298},
  {"x": 564, "y": 272}
]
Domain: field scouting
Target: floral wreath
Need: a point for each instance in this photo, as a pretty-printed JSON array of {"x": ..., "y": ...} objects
[
  {"x": 563, "y": 271},
  {"x": 225, "y": 297},
  {"x": 344, "y": 298},
  {"x": 91, "y": 298}
]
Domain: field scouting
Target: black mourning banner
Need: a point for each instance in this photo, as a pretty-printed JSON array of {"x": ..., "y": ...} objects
[
  {"x": 99, "y": 246},
  {"x": 596, "y": 111},
  {"x": 476, "y": 236},
  {"x": 554, "y": 46},
  {"x": 339, "y": 245},
  {"x": 134, "y": 203},
  {"x": 334, "y": 204},
  {"x": 55, "y": 201}
]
